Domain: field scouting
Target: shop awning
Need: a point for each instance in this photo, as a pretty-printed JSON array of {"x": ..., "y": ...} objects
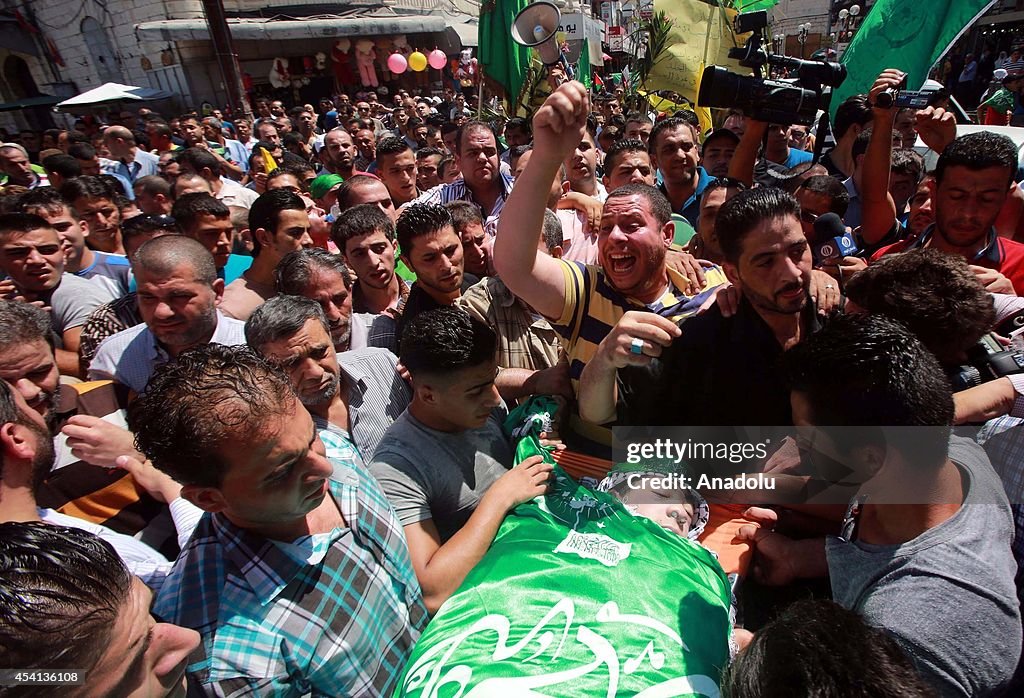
[
  {"x": 29, "y": 102},
  {"x": 467, "y": 32},
  {"x": 309, "y": 28}
]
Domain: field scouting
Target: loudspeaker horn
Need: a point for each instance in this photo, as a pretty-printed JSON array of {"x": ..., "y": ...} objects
[{"x": 536, "y": 26}]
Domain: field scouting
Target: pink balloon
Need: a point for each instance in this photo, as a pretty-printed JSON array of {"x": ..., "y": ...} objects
[
  {"x": 397, "y": 63},
  {"x": 437, "y": 59}
]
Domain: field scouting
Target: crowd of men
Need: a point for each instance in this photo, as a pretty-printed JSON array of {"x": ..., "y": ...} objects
[{"x": 254, "y": 375}]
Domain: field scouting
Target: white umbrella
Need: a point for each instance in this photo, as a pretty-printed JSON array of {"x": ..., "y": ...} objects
[{"x": 114, "y": 92}]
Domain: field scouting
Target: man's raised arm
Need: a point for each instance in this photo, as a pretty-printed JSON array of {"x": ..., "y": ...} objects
[{"x": 533, "y": 276}]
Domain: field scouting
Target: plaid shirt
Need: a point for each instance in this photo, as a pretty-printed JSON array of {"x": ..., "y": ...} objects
[{"x": 327, "y": 615}]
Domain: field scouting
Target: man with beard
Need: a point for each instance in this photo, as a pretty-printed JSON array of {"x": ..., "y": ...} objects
[
  {"x": 32, "y": 257},
  {"x": 356, "y": 393},
  {"x": 433, "y": 250},
  {"x": 86, "y": 421},
  {"x": 178, "y": 292},
  {"x": 317, "y": 274},
  {"x": 338, "y": 153},
  {"x": 26, "y": 456},
  {"x": 715, "y": 370},
  {"x": 482, "y": 183},
  {"x": 583, "y": 301}
]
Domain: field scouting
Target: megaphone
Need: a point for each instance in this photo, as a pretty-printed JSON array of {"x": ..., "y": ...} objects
[{"x": 535, "y": 26}]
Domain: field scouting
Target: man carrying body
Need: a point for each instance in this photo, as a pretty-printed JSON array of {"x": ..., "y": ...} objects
[
  {"x": 445, "y": 463},
  {"x": 293, "y": 517},
  {"x": 924, "y": 549},
  {"x": 278, "y": 224},
  {"x": 177, "y": 297},
  {"x": 722, "y": 368},
  {"x": 77, "y": 608}
]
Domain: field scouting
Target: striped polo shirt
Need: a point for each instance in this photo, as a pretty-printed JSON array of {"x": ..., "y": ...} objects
[{"x": 592, "y": 308}]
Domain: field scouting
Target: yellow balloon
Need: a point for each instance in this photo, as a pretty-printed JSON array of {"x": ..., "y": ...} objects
[{"x": 417, "y": 61}]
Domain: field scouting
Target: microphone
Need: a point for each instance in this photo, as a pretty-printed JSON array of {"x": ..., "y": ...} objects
[{"x": 834, "y": 242}]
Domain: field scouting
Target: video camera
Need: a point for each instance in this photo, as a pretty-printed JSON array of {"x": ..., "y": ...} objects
[
  {"x": 987, "y": 361},
  {"x": 771, "y": 101}
]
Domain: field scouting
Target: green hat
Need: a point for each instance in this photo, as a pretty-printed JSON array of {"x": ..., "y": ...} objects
[{"x": 323, "y": 184}]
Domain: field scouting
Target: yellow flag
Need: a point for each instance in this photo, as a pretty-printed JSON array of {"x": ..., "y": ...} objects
[{"x": 700, "y": 35}]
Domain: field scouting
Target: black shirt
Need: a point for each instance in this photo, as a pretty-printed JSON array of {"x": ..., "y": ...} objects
[
  {"x": 419, "y": 300},
  {"x": 721, "y": 371}
]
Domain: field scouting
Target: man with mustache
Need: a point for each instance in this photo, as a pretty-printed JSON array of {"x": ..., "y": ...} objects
[
  {"x": 583, "y": 302},
  {"x": 716, "y": 370},
  {"x": 86, "y": 423},
  {"x": 483, "y": 183},
  {"x": 356, "y": 393}
]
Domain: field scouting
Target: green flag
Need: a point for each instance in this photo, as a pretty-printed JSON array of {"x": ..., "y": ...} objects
[
  {"x": 583, "y": 66},
  {"x": 751, "y": 5},
  {"x": 503, "y": 60},
  {"x": 577, "y": 597},
  {"x": 910, "y": 36}
]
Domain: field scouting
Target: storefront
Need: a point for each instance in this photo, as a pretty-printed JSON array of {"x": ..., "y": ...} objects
[{"x": 305, "y": 59}]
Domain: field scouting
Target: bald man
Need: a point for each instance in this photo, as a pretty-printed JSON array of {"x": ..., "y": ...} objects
[
  {"x": 126, "y": 159},
  {"x": 167, "y": 269}
]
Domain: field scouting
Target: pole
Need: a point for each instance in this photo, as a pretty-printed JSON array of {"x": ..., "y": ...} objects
[{"x": 227, "y": 59}]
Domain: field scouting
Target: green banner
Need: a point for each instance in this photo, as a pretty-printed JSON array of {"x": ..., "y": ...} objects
[
  {"x": 910, "y": 36},
  {"x": 578, "y": 597},
  {"x": 503, "y": 60}
]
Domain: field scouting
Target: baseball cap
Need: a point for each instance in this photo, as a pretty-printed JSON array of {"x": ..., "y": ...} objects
[{"x": 323, "y": 184}]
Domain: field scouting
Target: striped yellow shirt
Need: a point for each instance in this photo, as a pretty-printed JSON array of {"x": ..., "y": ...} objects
[{"x": 592, "y": 307}]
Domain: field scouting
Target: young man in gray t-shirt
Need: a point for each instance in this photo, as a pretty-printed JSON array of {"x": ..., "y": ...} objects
[
  {"x": 445, "y": 464},
  {"x": 32, "y": 258},
  {"x": 924, "y": 551}
]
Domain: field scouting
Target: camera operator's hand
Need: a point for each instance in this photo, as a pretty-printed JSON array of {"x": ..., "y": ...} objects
[
  {"x": 993, "y": 281},
  {"x": 890, "y": 78},
  {"x": 937, "y": 128},
  {"x": 559, "y": 124}
]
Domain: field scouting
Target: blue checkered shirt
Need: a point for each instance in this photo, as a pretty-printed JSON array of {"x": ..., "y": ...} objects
[{"x": 330, "y": 615}]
